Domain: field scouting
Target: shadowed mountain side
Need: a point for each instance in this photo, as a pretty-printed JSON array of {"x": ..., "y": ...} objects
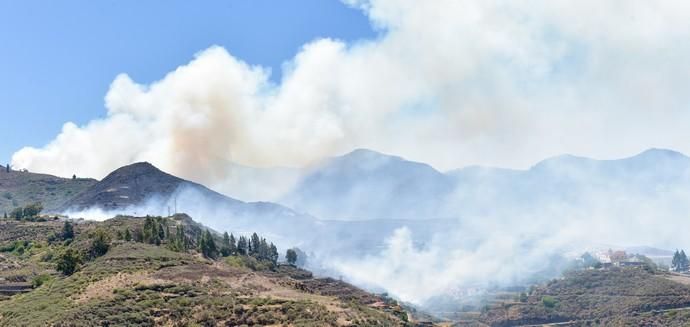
[
  {"x": 133, "y": 185},
  {"x": 144, "y": 188}
]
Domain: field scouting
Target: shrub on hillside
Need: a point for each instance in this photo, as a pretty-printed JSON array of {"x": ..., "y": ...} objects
[
  {"x": 68, "y": 262},
  {"x": 549, "y": 301}
]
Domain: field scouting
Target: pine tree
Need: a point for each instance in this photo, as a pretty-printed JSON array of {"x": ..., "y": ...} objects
[
  {"x": 67, "y": 231},
  {"x": 128, "y": 235},
  {"x": 207, "y": 246},
  {"x": 161, "y": 233},
  {"x": 225, "y": 246},
  {"x": 264, "y": 250},
  {"x": 242, "y": 246},
  {"x": 153, "y": 231},
  {"x": 680, "y": 261},
  {"x": 255, "y": 243},
  {"x": 291, "y": 256},
  {"x": 148, "y": 231},
  {"x": 233, "y": 245},
  {"x": 273, "y": 250}
]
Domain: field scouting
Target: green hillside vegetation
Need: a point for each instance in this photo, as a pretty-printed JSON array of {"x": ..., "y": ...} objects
[
  {"x": 631, "y": 296},
  {"x": 18, "y": 189},
  {"x": 171, "y": 271}
]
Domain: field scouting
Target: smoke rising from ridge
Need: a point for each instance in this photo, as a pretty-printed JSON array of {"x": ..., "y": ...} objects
[
  {"x": 522, "y": 230},
  {"x": 448, "y": 82}
]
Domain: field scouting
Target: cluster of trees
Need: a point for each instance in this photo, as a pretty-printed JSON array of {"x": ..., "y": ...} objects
[
  {"x": 680, "y": 261},
  {"x": 29, "y": 212},
  {"x": 69, "y": 260},
  {"x": 253, "y": 246},
  {"x": 179, "y": 241},
  {"x": 155, "y": 231}
]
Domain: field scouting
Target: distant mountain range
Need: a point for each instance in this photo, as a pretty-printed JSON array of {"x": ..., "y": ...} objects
[
  {"x": 369, "y": 185},
  {"x": 364, "y": 184}
]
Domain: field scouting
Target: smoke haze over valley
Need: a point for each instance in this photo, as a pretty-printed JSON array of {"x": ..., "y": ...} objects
[
  {"x": 466, "y": 146},
  {"x": 472, "y": 227}
]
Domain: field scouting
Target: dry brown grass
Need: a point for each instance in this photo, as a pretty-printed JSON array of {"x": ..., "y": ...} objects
[{"x": 103, "y": 289}]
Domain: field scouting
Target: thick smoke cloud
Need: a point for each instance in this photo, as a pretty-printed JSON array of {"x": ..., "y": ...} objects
[
  {"x": 451, "y": 83},
  {"x": 447, "y": 82}
]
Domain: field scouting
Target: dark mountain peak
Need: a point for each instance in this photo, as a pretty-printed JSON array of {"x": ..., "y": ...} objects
[
  {"x": 126, "y": 186},
  {"x": 135, "y": 169}
]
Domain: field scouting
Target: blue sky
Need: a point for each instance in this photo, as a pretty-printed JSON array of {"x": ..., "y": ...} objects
[
  {"x": 469, "y": 82},
  {"x": 58, "y": 58}
]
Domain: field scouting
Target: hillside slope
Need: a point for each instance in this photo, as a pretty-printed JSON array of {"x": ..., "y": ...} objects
[
  {"x": 17, "y": 189},
  {"x": 139, "y": 284},
  {"x": 616, "y": 297}
]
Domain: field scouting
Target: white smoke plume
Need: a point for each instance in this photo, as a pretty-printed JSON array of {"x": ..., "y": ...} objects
[
  {"x": 451, "y": 83},
  {"x": 447, "y": 82}
]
